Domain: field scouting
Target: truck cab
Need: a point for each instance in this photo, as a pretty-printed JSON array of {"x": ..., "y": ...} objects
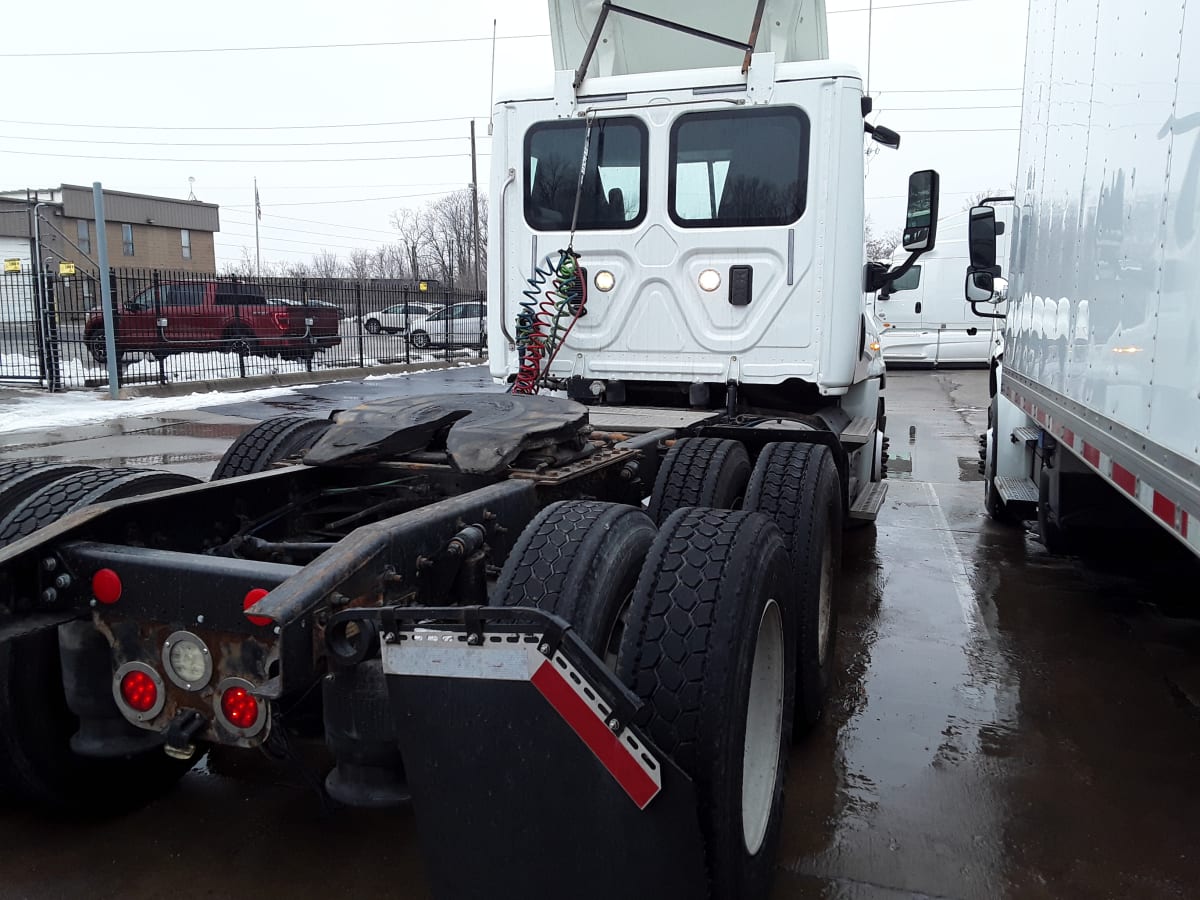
[{"x": 927, "y": 320}]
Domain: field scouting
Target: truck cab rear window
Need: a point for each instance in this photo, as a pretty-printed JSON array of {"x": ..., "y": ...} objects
[
  {"x": 739, "y": 168},
  {"x": 613, "y": 187}
]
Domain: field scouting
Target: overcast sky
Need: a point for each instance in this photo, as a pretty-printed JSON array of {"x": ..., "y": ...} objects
[{"x": 225, "y": 117}]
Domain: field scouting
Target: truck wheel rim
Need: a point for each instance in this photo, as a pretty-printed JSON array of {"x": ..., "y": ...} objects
[
  {"x": 825, "y": 603},
  {"x": 764, "y": 729}
]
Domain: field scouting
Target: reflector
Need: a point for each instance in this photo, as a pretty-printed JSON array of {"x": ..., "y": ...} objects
[{"x": 106, "y": 586}]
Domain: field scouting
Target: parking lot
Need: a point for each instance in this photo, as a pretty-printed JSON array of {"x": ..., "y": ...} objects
[{"x": 1004, "y": 724}]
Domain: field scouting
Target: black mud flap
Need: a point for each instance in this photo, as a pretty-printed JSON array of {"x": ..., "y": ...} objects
[{"x": 530, "y": 777}]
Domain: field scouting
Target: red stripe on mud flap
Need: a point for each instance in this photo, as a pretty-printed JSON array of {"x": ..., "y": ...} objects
[
  {"x": 1125, "y": 479},
  {"x": 1068, "y": 437},
  {"x": 1164, "y": 509},
  {"x": 1091, "y": 454},
  {"x": 592, "y": 731}
]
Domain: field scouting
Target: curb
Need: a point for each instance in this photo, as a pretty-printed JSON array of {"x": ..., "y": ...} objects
[{"x": 291, "y": 379}]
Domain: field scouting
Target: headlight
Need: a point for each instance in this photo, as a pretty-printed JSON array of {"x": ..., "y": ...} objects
[
  {"x": 709, "y": 280},
  {"x": 604, "y": 281},
  {"x": 187, "y": 661}
]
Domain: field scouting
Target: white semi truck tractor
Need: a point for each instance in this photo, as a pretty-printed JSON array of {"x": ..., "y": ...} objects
[
  {"x": 578, "y": 633},
  {"x": 1094, "y": 421}
]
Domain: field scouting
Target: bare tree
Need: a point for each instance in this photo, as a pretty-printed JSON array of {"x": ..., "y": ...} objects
[
  {"x": 408, "y": 223},
  {"x": 979, "y": 196},
  {"x": 327, "y": 264},
  {"x": 243, "y": 267},
  {"x": 360, "y": 263},
  {"x": 880, "y": 247}
]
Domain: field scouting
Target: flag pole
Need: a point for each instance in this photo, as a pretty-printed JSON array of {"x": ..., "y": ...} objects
[{"x": 257, "y": 216}]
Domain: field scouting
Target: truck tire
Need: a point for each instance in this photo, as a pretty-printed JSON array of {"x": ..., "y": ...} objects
[
  {"x": 30, "y": 479},
  {"x": 58, "y": 498},
  {"x": 709, "y": 472},
  {"x": 797, "y": 485},
  {"x": 992, "y": 500},
  {"x": 8, "y": 470},
  {"x": 269, "y": 442},
  {"x": 37, "y": 765},
  {"x": 710, "y": 647},
  {"x": 580, "y": 560},
  {"x": 372, "y": 326}
]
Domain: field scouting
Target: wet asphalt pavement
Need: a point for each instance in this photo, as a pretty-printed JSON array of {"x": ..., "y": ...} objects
[{"x": 1004, "y": 724}]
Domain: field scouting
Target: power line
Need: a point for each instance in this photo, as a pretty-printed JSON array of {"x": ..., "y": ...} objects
[
  {"x": 351, "y": 200},
  {"x": 57, "y": 140},
  {"x": 175, "y": 159},
  {"x": 310, "y": 243},
  {"x": 309, "y": 231},
  {"x": 331, "y": 224},
  {"x": 265, "y": 49},
  {"x": 240, "y": 127}
]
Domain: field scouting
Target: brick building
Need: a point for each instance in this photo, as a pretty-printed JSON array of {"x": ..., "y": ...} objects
[{"x": 143, "y": 231}]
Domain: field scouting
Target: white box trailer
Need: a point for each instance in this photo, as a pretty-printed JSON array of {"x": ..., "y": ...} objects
[
  {"x": 1095, "y": 407},
  {"x": 926, "y": 320}
]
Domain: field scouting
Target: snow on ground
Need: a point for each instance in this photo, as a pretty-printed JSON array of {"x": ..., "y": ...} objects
[{"x": 39, "y": 410}]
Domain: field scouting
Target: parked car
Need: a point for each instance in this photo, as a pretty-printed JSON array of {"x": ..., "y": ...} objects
[
  {"x": 395, "y": 319},
  {"x": 212, "y": 315},
  {"x": 460, "y": 325}
]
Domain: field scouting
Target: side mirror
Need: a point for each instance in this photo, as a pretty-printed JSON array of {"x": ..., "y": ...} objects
[
  {"x": 920, "y": 224},
  {"x": 981, "y": 287},
  {"x": 981, "y": 237}
]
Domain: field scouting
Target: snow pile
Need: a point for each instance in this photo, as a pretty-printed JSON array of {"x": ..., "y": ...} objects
[{"x": 41, "y": 411}]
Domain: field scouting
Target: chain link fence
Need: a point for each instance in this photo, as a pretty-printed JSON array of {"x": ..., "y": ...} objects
[{"x": 183, "y": 326}]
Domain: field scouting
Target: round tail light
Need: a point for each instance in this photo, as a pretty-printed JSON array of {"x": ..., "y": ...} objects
[
  {"x": 139, "y": 691},
  {"x": 238, "y": 709}
]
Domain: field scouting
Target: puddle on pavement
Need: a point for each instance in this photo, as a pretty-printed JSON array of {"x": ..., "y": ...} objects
[
  {"x": 208, "y": 430},
  {"x": 151, "y": 460},
  {"x": 968, "y": 469}
]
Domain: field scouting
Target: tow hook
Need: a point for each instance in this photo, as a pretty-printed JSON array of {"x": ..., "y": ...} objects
[{"x": 180, "y": 732}]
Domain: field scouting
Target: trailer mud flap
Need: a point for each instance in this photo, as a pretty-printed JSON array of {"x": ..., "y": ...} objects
[{"x": 527, "y": 778}]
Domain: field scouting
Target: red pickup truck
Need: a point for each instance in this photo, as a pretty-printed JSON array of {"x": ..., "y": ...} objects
[{"x": 180, "y": 317}]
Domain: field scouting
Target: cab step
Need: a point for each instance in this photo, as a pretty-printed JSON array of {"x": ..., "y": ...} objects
[
  {"x": 860, "y": 431},
  {"x": 870, "y": 500},
  {"x": 1026, "y": 433},
  {"x": 1014, "y": 489}
]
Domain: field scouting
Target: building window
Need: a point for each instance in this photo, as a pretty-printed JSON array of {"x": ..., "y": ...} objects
[
  {"x": 127, "y": 240},
  {"x": 82, "y": 236},
  {"x": 185, "y": 241}
]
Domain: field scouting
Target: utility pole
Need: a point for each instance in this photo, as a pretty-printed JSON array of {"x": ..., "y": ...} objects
[
  {"x": 106, "y": 300},
  {"x": 257, "y": 216},
  {"x": 474, "y": 210}
]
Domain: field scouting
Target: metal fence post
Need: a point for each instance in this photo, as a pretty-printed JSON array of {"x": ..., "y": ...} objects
[
  {"x": 358, "y": 317},
  {"x": 106, "y": 300},
  {"x": 53, "y": 348}
]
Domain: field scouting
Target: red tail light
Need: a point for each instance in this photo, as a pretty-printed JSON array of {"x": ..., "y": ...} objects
[
  {"x": 139, "y": 691},
  {"x": 281, "y": 320},
  {"x": 239, "y": 707}
]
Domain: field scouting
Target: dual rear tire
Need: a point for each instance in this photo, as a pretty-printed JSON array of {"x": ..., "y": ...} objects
[{"x": 37, "y": 765}]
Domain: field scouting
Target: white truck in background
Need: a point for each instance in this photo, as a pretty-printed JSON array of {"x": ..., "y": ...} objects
[
  {"x": 926, "y": 321},
  {"x": 1094, "y": 419}
]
